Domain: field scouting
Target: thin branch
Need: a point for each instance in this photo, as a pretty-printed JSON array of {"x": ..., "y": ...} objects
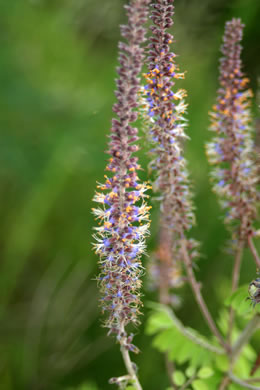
[
  {"x": 189, "y": 382},
  {"x": 165, "y": 262},
  {"x": 237, "y": 266},
  {"x": 224, "y": 383},
  {"x": 235, "y": 281},
  {"x": 199, "y": 298},
  {"x": 253, "y": 380},
  {"x": 242, "y": 382},
  {"x": 245, "y": 336},
  {"x": 170, "y": 370},
  {"x": 254, "y": 251},
  {"x": 130, "y": 368},
  {"x": 128, "y": 363},
  {"x": 191, "y": 336}
]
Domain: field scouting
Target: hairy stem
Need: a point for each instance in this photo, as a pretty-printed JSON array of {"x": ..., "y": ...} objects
[
  {"x": 244, "y": 337},
  {"x": 253, "y": 380},
  {"x": 242, "y": 382},
  {"x": 224, "y": 383},
  {"x": 235, "y": 281},
  {"x": 189, "y": 382},
  {"x": 165, "y": 259},
  {"x": 199, "y": 298},
  {"x": 237, "y": 266},
  {"x": 130, "y": 368},
  {"x": 191, "y": 336},
  {"x": 254, "y": 251},
  {"x": 170, "y": 370},
  {"x": 164, "y": 299}
]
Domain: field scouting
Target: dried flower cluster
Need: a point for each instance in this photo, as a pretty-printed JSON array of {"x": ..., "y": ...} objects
[
  {"x": 167, "y": 124},
  {"x": 123, "y": 214},
  {"x": 231, "y": 150}
]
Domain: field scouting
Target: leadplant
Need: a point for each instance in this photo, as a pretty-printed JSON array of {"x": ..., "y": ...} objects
[
  {"x": 223, "y": 360},
  {"x": 124, "y": 214}
]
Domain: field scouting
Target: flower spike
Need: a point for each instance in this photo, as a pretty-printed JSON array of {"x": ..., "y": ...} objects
[
  {"x": 231, "y": 150},
  {"x": 123, "y": 215},
  {"x": 166, "y": 109}
]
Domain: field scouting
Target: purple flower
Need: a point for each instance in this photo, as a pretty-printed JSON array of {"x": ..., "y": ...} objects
[
  {"x": 232, "y": 147},
  {"x": 123, "y": 215},
  {"x": 167, "y": 135}
]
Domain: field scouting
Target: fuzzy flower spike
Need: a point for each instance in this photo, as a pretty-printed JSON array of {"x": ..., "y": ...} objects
[
  {"x": 166, "y": 108},
  {"x": 231, "y": 151},
  {"x": 123, "y": 215}
]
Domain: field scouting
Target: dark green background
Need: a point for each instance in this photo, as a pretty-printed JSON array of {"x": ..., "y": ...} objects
[{"x": 57, "y": 71}]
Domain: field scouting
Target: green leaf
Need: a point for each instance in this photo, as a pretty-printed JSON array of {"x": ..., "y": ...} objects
[
  {"x": 239, "y": 302},
  {"x": 200, "y": 385},
  {"x": 179, "y": 378},
  {"x": 164, "y": 340},
  {"x": 200, "y": 357},
  {"x": 234, "y": 386},
  {"x": 182, "y": 344},
  {"x": 131, "y": 388},
  {"x": 222, "y": 362},
  {"x": 187, "y": 351},
  {"x": 190, "y": 371},
  {"x": 178, "y": 344},
  {"x": 157, "y": 321},
  {"x": 242, "y": 367},
  {"x": 249, "y": 353},
  {"x": 205, "y": 372}
]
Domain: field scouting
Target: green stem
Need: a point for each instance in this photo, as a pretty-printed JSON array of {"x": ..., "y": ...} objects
[
  {"x": 129, "y": 367},
  {"x": 199, "y": 298},
  {"x": 244, "y": 337},
  {"x": 235, "y": 281},
  {"x": 191, "y": 336},
  {"x": 254, "y": 251},
  {"x": 242, "y": 382},
  {"x": 224, "y": 383}
]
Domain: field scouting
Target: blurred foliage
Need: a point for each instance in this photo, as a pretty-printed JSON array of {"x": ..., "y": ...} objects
[
  {"x": 194, "y": 355},
  {"x": 57, "y": 70}
]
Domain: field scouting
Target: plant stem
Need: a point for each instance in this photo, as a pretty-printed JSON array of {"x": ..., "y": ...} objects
[
  {"x": 237, "y": 266},
  {"x": 129, "y": 367},
  {"x": 127, "y": 360},
  {"x": 244, "y": 337},
  {"x": 241, "y": 382},
  {"x": 253, "y": 380},
  {"x": 199, "y": 298},
  {"x": 254, "y": 251},
  {"x": 235, "y": 281},
  {"x": 224, "y": 383},
  {"x": 189, "y": 382},
  {"x": 165, "y": 262},
  {"x": 191, "y": 336},
  {"x": 170, "y": 370}
]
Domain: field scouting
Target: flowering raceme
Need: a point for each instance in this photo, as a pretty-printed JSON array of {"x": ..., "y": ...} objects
[
  {"x": 167, "y": 124},
  {"x": 231, "y": 150},
  {"x": 123, "y": 215}
]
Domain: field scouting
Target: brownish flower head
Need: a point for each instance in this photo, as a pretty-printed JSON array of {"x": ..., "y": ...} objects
[
  {"x": 166, "y": 109},
  {"x": 123, "y": 213},
  {"x": 231, "y": 151}
]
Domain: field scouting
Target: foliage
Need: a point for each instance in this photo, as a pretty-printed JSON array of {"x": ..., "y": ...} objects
[{"x": 195, "y": 355}]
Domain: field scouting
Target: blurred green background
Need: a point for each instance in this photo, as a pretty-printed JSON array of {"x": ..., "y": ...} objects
[{"x": 57, "y": 71}]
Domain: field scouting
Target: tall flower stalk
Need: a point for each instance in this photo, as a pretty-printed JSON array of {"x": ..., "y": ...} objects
[
  {"x": 124, "y": 214},
  {"x": 166, "y": 109},
  {"x": 231, "y": 150}
]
